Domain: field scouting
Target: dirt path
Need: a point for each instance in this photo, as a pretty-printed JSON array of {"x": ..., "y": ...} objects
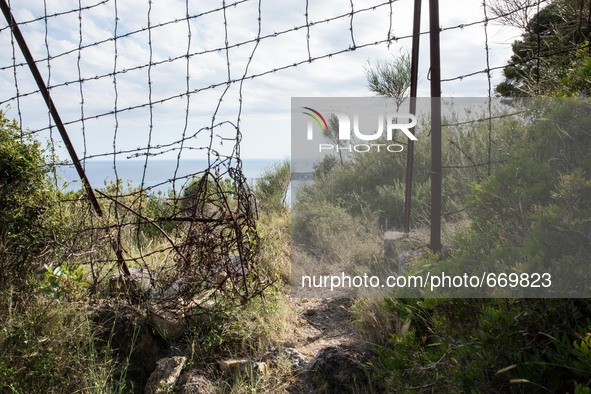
[{"x": 323, "y": 322}]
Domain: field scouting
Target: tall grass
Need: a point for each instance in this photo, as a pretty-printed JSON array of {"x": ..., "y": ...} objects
[{"x": 50, "y": 347}]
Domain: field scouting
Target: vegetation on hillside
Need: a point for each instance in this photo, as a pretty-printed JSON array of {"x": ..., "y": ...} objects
[
  {"x": 70, "y": 323},
  {"x": 531, "y": 214}
]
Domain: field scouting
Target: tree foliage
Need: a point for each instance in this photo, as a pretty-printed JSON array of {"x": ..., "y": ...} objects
[
  {"x": 548, "y": 48},
  {"x": 390, "y": 79}
]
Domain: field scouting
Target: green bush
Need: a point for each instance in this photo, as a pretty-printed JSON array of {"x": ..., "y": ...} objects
[
  {"x": 536, "y": 209},
  {"x": 533, "y": 213},
  {"x": 519, "y": 345},
  {"x": 28, "y": 220}
]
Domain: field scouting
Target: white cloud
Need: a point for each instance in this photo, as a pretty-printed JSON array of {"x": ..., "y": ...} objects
[{"x": 265, "y": 122}]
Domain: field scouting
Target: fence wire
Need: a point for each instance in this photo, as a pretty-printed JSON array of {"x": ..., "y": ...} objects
[{"x": 199, "y": 237}]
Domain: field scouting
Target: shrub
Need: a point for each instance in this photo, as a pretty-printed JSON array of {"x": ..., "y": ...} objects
[
  {"x": 519, "y": 345},
  {"x": 271, "y": 187},
  {"x": 534, "y": 210},
  {"x": 27, "y": 202}
]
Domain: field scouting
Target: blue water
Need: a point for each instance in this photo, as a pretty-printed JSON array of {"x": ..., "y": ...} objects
[{"x": 158, "y": 173}]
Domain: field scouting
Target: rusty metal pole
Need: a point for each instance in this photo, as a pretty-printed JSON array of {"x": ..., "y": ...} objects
[
  {"x": 50, "y": 105},
  {"x": 436, "y": 171},
  {"x": 414, "y": 76}
]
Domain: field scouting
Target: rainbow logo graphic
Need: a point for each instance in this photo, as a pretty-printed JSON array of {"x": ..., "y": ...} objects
[{"x": 318, "y": 118}]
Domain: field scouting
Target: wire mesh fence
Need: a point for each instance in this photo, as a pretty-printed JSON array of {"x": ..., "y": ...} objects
[{"x": 139, "y": 81}]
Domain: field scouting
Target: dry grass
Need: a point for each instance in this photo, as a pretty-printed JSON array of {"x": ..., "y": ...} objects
[{"x": 277, "y": 378}]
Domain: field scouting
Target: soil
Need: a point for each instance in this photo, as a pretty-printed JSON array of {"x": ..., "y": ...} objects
[{"x": 323, "y": 322}]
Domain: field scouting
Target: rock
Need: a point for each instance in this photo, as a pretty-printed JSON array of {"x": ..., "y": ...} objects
[
  {"x": 296, "y": 360},
  {"x": 191, "y": 382},
  {"x": 176, "y": 288},
  {"x": 168, "y": 320},
  {"x": 138, "y": 284},
  {"x": 170, "y": 314},
  {"x": 401, "y": 249},
  {"x": 166, "y": 375},
  {"x": 232, "y": 367},
  {"x": 337, "y": 369},
  {"x": 236, "y": 262},
  {"x": 392, "y": 241}
]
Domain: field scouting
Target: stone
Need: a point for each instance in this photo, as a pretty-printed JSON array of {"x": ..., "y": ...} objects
[
  {"x": 165, "y": 376},
  {"x": 337, "y": 369},
  {"x": 170, "y": 315},
  {"x": 401, "y": 249},
  {"x": 240, "y": 366},
  {"x": 392, "y": 240},
  {"x": 176, "y": 288},
  {"x": 168, "y": 320},
  {"x": 192, "y": 382},
  {"x": 296, "y": 359},
  {"x": 138, "y": 284}
]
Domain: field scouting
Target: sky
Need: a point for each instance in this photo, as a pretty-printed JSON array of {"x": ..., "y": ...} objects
[{"x": 259, "y": 106}]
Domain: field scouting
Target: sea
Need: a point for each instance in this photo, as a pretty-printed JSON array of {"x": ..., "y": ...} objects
[{"x": 158, "y": 173}]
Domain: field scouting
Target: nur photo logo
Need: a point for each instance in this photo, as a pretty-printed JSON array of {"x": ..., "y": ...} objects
[{"x": 360, "y": 139}]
